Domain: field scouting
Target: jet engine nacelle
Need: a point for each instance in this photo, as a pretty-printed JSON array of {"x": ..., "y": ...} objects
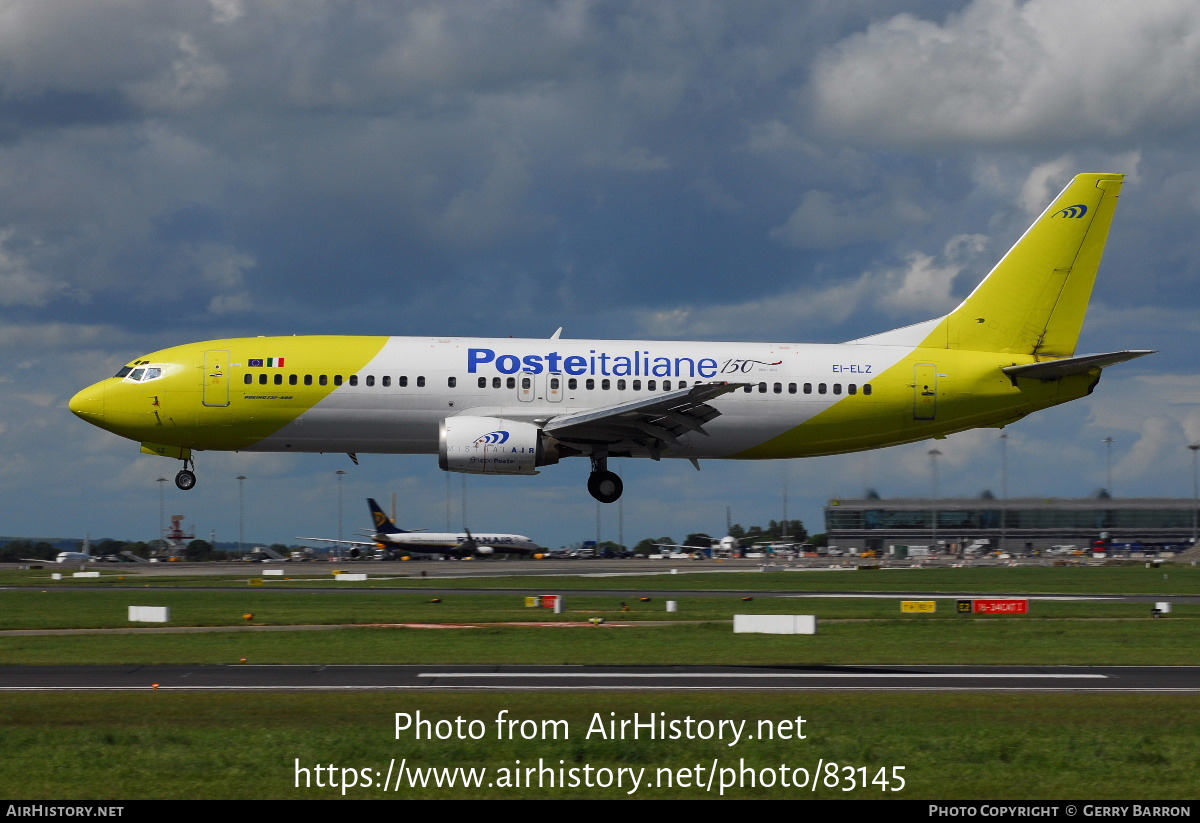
[{"x": 493, "y": 445}]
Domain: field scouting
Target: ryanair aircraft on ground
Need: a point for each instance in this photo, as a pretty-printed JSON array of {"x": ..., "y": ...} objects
[
  {"x": 387, "y": 536},
  {"x": 507, "y": 406}
]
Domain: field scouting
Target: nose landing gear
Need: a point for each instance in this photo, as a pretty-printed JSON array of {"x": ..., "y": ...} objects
[
  {"x": 186, "y": 478},
  {"x": 602, "y": 484}
]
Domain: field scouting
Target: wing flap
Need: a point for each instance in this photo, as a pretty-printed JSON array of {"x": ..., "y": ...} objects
[{"x": 650, "y": 426}]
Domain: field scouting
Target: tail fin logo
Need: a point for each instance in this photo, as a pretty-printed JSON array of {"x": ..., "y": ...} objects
[
  {"x": 1078, "y": 210},
  {"x": 493, "y": 438},
  {"x": 380, "y": 518}
]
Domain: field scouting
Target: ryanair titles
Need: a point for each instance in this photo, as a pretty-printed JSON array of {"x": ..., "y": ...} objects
[{"x": 637, "y": 364}]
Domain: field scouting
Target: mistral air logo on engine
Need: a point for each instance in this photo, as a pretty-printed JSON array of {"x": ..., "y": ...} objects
[
  {"x": 637, "y": 364},
  {"x": 495, "y": 438}
]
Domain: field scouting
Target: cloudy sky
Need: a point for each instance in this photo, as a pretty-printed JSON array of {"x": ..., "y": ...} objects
[{"x": 758, "y": 170}]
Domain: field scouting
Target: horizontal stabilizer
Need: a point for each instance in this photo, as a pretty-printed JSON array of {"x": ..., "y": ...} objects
[{"x": 1053, "y": 369}]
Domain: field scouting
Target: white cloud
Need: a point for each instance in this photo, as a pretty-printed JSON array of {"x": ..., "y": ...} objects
[
  {"x": 921, "y": 289},
  {"x": 780, "y": 316},
  {"x": 223, "y": 266},
  {"x": 634, "y": 158},
  {"x": 1045, "y": 181},
  {"x": 230, "y": 303},
  {"x": 1001, "y": 72},
  {"x": 192, "y": 81},
  {"x": 925, "y": 285},
  {"x": 20, "y": 285}
]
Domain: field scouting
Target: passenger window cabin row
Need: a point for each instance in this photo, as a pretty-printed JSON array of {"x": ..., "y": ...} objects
[
  {"x": 573, "y": 384},
  {"x": 265, "y": 379},
  {"x": 822, "y": 388}
]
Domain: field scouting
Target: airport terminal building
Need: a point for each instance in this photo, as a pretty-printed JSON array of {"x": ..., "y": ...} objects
[{"x": 1018, "y": 525}]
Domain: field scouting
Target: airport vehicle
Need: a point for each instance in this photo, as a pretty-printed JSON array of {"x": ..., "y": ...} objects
[
  {"x": 512, "y": 406},
  {"x": 388, "y": 537}
]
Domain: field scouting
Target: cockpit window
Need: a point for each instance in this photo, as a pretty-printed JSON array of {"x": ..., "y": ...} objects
[
  {"x": 124, "y": 371},
  {"x": 141, "y": 374}
]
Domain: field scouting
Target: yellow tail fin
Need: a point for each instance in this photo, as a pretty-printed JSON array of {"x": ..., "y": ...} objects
[{"x": 1035, "y": 299}]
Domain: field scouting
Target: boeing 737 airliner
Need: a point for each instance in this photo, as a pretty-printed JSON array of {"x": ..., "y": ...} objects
[{"x": 508, "y": 406}]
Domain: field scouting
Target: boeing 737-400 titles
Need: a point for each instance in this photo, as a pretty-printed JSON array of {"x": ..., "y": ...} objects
[{"x": 509, "y": 406}]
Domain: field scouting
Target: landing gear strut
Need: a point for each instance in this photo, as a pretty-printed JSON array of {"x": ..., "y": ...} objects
[
  {"x": 186, "y": 478},
  {"x": 602, "y": 484}
]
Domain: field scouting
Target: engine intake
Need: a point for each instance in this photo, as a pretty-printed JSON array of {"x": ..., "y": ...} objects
[{"x": 493, "y": 445}]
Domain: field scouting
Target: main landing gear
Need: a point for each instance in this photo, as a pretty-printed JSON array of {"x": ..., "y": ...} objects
[
  {"x": 186, "y": 478},
  {"x": 602, "y": 484}
]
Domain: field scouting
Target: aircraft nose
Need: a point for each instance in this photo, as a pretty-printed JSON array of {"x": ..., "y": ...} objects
[{"x": 89, "y": 403}]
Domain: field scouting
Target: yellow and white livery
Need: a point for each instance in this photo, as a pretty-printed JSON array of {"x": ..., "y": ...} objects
[{"x": 508, "y": 406}]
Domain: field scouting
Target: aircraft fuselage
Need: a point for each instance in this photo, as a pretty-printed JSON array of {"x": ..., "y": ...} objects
[{"x": 389, "y": 394}]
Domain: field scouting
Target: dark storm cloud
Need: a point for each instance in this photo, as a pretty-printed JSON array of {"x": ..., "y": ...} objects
[{"x": 757, "y": 170}]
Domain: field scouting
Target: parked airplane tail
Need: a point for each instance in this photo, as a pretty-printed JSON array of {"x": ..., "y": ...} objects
[
  {"x": 383, "y": 523},
  {"x": 1034, "y": 301}
]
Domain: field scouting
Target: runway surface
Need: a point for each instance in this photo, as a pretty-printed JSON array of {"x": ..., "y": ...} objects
[{"x": 591, "y": 678}]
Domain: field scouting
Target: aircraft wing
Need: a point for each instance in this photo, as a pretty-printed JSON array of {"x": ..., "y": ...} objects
[
  {"x": 648, "y": 426},
  {"x": 371, "y": 544}
]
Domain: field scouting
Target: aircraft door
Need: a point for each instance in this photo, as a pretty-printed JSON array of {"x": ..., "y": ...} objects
[
  {"x": 925, "y": 391},
  {"x": 216, "y": 378},
  {"x": 525, "y": 388},
  {"x": 554, "y": 388}
]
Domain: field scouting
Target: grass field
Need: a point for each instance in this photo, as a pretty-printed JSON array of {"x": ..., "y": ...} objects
[
  {"x": 1091, "y": 747},
  {"x": 982, "y": 642},
  {"x": 1127, "y": 578},
  {"x": 105, "y": 608},
  {"x": 965, "y": 746}
]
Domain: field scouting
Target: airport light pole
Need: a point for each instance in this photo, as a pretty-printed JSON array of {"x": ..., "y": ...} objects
[
  {"x": 340, "y": 474},
  {"x": 934, "y": 454},
  {"x": 1003, "y": 491},
  {"x": 621, "y": 523},
  {"x": 241, "y": 478},
  {"x": 162, "y": 512},
  {"x": 1108, "y": 444},
  {"x": 783, "y": 538},
  {"x": 1195, "y": 494}
]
